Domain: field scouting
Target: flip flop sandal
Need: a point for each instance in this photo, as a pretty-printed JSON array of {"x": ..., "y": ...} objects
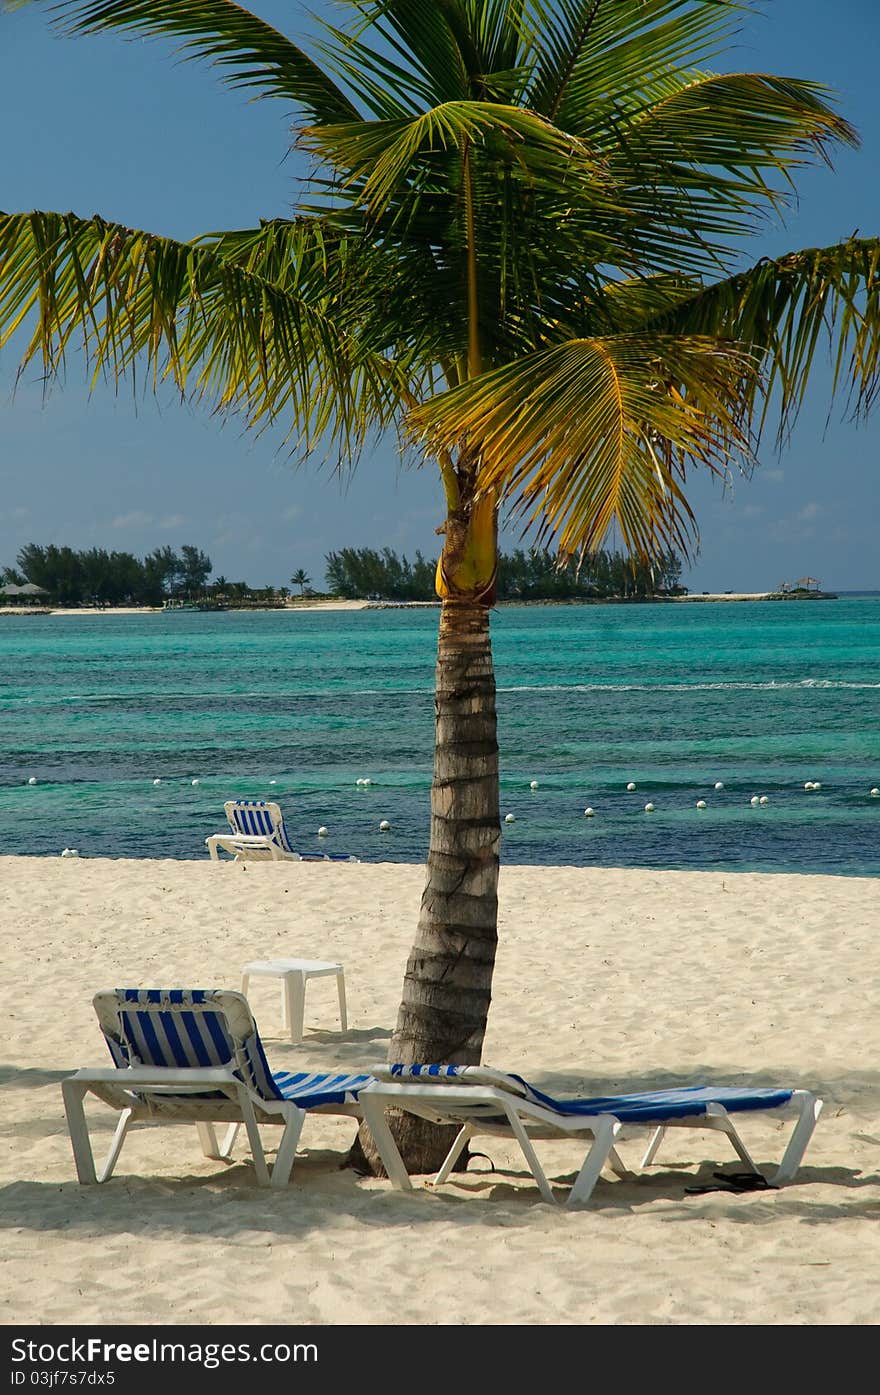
[{"x": 735, "y": 1182}]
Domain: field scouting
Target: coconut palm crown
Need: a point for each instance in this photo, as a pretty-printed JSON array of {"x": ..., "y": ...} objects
[{"x": 521, "y": 246}]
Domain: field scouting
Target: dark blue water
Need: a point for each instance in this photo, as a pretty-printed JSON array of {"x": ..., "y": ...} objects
[{"x": 762, "y": 696}]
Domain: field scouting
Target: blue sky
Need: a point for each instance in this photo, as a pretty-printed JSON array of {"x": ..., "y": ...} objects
[{"x": 120, "y": 127}]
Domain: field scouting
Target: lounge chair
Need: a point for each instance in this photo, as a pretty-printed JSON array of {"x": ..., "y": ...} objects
[
  {"x": 256, "y": 830},
  {"x": 486, "y": 1101},
  {"x": 195, "y": 1056}
]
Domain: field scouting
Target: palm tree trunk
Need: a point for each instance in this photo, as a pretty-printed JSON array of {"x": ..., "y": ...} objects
[{"x": 448, "y": 980}]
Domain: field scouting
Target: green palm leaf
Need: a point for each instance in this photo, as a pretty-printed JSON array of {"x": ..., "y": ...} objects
[
  {"x": 588, "y": 52},
  {"x": 781, "y": 310},
  {"x": 242, "y": 319}
]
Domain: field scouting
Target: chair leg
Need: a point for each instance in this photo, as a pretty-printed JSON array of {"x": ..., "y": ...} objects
[
  {"x": 717, "y": 1117},
  {"x": 453, "y": 1155},
  {"x": 607, "y": 1129},
  {"x": 340, "y": 986},
  {"x": 657, "y": 1138},
  {"x": 616, "y": 1163},
  {"x": 72, "y": 1093},
  {"x": 287, "y": 1148},
  {"x": 253, "y": 1133},
  {"x": 208, "y": 1140},
  {"x": 530, "y": 1155},
  {"x": 810, "y": 1109},
  {"x": 116, "y": 1146},
  {"x": 228, "y": 1143},
  {"x": 374, "y": 1114}
]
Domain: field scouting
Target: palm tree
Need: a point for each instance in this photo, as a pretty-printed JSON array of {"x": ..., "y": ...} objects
[
  {"x": 301, "y": 580},
  {"x": 520, "y": 246}
]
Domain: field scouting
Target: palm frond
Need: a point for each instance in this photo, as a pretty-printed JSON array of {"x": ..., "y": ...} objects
[
  {"x": 419, "y": 65},
  {"x": 597, "y": 433},
  {"x": 782, "y": 309},
  {"x": 382, "y": 157},
  {"x": 241, "y": 319},
  {"x": 593, "y": 53}
]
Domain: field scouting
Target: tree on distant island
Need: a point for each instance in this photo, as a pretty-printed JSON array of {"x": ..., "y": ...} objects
[
  {"x": 521, "y": 248},
  {"x": 195, "y": 568},
  {"x": 300, "y": 579},
  {"x": 99, "y": 577}
]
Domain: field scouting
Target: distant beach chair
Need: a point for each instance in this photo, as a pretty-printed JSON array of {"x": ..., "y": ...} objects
[
  {"x": 195, "y": 1056},
  {"x": 486, "y": 1101},
  {"x": 256, "y": 830}
]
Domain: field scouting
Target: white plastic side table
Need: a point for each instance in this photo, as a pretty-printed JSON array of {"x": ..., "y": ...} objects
[{"x": 294, "y": 974}]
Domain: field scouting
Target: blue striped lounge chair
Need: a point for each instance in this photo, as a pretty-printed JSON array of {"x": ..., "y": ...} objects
[
  {"x": 486, "y": 1101},
  {"x": 195, "y": 1056},
  {"x": 256, "y": 830}
]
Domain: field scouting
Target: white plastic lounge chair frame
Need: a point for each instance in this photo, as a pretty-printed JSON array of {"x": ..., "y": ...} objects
[
  {"x": 235, "y": 1086},
  {"x": 257, "y": 831},
  {"x": 486, "y": 1101}
]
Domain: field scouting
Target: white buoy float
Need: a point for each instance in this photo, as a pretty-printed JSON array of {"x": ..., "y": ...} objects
[
  {"x": 32, "y": 780},
  {"x": 194, "y": 782},
  {"x": 719, "y": 784},
  {"x": 816, "y": 785},
  {"x": 273, "y": 782},
  {"x": 590, "y": 813},
  {"x": 649, "y": 808},
  {"x": 701, "y": 804},
  {"x": 754, "y": 799},
  {"x": 366, "y": 782},
  {"x": 874, "y": 792},
  {"x": 322, "y": 831},
  {"x": 533, "y": 785},
  {"x": 510, "y": 818},
  {"x": 763, "y": 799},
  {"x": 157, "y": 782},
  {"x": 809, "y": 785},
  {"x": 384, "y": 826},
  {"x": 69, "y": 852},
  {"x": 631, "y": 786}
]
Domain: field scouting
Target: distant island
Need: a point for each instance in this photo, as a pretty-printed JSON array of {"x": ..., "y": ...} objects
[{"x": 48, "y": 579}]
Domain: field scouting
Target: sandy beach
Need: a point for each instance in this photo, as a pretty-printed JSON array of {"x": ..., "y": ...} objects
[{"x": 606, "y": 980}]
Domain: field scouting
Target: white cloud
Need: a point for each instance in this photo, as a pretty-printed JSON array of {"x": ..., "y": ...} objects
[
  {"x": 291, "y": 513},
  {"x": 811, "y": 510},
  {"x": 775, "y": 476},
  {"x": 135, "y": 519},
  {"x": 174, "y": 520}
]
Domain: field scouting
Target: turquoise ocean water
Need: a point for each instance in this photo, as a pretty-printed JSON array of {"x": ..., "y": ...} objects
[{"x": 762, "y": 696}]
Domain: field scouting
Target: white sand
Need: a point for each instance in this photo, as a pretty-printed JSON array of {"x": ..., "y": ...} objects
[{"x": 606, "y": 980}]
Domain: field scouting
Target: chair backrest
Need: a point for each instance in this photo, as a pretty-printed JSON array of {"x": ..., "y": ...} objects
[
  {"x": 258, "y": 818},
  {"x": 184, "y": 1027}
]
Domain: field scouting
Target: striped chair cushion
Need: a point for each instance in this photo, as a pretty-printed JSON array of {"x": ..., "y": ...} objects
[
  {"x": 259, "y": 818},
  {"x": 263, "y": 819},
  {"x": 180, "y": 1027},
  {"x": 643, "y": 1106},
  {"x": 308, "y": 1089}
]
